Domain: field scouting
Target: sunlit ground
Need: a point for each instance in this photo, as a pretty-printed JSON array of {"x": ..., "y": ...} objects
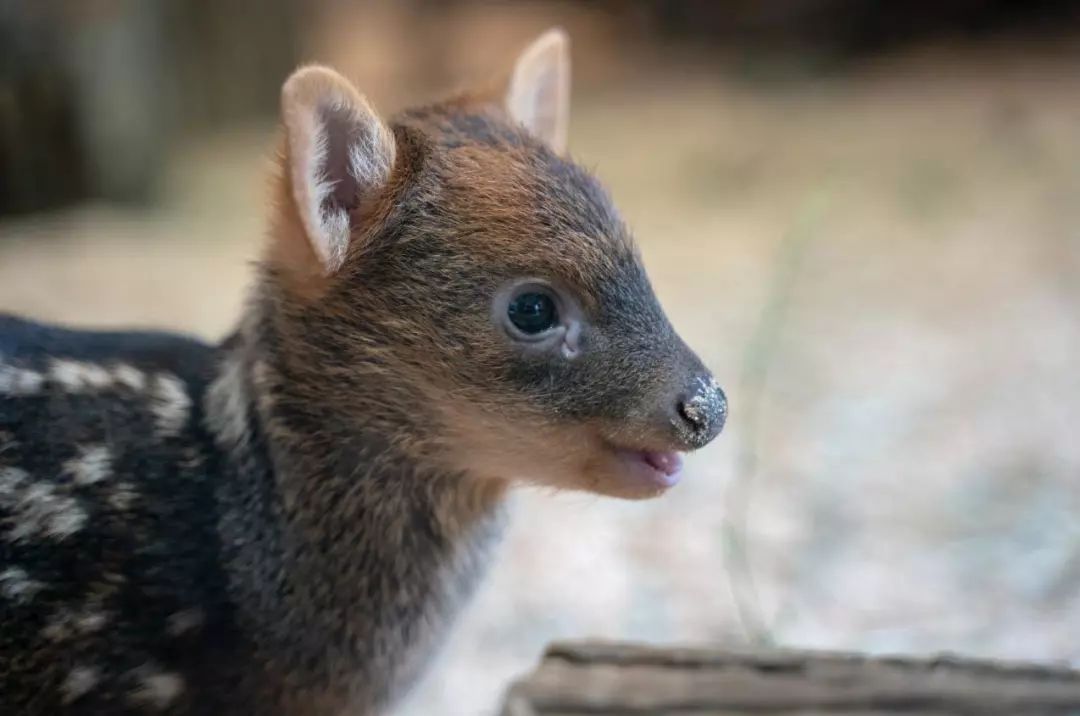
[{"x": 884, "y": 272}]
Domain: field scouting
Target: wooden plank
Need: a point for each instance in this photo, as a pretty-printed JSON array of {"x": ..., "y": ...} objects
[{"x": 608, "y": 678}]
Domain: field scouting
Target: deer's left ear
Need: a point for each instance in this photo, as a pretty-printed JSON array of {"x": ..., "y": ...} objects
[{"x": 539, "y": 92}]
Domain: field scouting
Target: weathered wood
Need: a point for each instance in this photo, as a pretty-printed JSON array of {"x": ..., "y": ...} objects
[{"x": 604, "y": 678}]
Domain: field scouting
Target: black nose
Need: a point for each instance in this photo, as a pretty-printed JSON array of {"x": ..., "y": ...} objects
[{"x": 702, "y": 412}]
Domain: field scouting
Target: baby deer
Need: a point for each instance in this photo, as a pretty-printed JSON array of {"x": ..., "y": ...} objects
[{"x": 287, "y": 522}]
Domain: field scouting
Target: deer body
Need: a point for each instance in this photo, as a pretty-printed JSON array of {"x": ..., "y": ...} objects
[
  {"x": 286, "y": 523},
  {"x": 141, "y": 453}
]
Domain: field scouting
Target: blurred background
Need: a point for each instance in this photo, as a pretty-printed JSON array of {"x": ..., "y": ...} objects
[{"x": 864, "y": 215}]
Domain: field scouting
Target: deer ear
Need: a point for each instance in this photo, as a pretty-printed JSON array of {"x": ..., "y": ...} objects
[
  {"x": 539, "y": 92},
  {"x": 339, "y": 156}
]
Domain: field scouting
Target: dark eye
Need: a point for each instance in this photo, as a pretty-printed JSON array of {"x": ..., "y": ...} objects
[{"x": 532, "y": 312}]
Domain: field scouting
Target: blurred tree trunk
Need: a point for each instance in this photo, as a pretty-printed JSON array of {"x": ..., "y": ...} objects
[
  {"x": 93, "y": 93},
  {"x": 230, "y": 58}
]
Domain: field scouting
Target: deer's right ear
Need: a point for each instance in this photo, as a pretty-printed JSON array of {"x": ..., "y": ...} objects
[
  {"x": 339, "y": 156},
  {"x": 539, "y": 93}
]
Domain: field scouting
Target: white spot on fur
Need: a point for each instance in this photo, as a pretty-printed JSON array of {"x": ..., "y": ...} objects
[
  {"x": 37, "y": 508},
  {"x": 227, "y": 405},
  {"x": 185, "y": 621},
  {"x": 12, "y": 480},
  {"x": 40, "y": 511},
  {"x": 121, "y": 496},
  {"x": 192, "y": 459},
  {"x": 113, "y": 579},
  {"x": 90, "y": 621},
  {"x": 93, "y": 464},
  {"x": 19, "y": 381},
  {"x": 156, "y": 689},
  {"x": 57, "y": 629},
  {"x": 16, "y": 585},
  {"x": 79, "y": 376},
  {"x": 66, "y": 623},
  {"x": 7, "y": 442},
  {"x": 129, "y": 376},
  {"x": 170, "y": 403},
  {"x": 79, "y": 682}
]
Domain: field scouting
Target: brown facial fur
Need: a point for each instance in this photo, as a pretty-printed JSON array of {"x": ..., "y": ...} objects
[{"x": 474, "y": 201}]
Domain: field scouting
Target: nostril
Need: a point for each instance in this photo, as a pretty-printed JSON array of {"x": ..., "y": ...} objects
[{"x": 693, "y": 412}]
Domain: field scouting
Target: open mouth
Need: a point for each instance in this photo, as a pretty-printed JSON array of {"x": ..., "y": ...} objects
[{"x": 654, "y": 469}]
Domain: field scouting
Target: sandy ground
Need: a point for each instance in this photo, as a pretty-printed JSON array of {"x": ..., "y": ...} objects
[{"x": 884, "y": 272}]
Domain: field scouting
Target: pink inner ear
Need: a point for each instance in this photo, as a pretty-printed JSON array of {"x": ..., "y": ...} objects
[{"x": 342, "y": 136}]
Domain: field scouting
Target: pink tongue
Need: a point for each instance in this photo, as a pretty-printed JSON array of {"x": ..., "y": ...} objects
[{"x": 668, "y": 463}]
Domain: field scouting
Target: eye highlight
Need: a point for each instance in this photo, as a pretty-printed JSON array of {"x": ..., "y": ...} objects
[{"x": 532, "y": 312}]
